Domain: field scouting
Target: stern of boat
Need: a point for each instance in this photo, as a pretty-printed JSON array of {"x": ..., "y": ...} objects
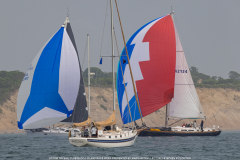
[{"x": 77, "y": 141}]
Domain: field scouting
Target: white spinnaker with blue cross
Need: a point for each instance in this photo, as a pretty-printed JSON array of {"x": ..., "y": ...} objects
[{"x": 50, "y": 86}]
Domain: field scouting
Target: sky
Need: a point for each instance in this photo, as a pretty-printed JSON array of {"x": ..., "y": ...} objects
[{"x": 208, "y": 30}]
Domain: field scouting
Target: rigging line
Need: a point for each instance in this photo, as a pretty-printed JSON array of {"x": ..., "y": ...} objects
[
  {"x": 80, "y": 83},
  {"x": 133, "y": 82},
  {"x": 84, "y": 54},
  {"x": 68, "y": 12},
  {"x": 175, "y": 122},
  {"x": 103, "y": 28},
  {"x": 184, "y": 41},
  {"x": 96, "y": 80},
  {"x": 83, "y": 86},
  {"x": 122, "y": 75},
  {"x": 125, "y": 115}
]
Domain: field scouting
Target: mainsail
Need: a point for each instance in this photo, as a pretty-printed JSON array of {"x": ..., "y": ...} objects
[
  {"x": 48, "y": 92},
  {"x": 152, "y": 52},
  {"x": 186, "y": 103}
]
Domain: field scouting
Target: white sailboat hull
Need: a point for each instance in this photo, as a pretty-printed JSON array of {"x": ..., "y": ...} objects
[
  {"x": 179, "y": 131},
  {"x": 105, "y": 142},
  {"x": 50, "y": 133},
  {"x": 45, "y": 134}
]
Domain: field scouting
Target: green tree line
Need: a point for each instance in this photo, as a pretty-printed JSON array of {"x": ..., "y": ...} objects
[
  {"x": 205, "y": 81},
  {"x": 201, "y": 80},
  {"x": 9, "y": 82},
  {"x": 100, "y": 79}
]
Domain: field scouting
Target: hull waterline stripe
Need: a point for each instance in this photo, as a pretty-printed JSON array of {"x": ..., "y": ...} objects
[{"x": 111, "y": 141}]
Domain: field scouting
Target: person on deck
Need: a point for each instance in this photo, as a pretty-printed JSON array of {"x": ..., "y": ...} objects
[
  {"x": 201, "y": 125},
  {"x": 194, "y": 123},
  {"x": 94, "y": 131},
  {"x": 183, "y": 125}
]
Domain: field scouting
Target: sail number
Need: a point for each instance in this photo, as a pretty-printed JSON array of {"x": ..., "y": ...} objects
[
  {"x": 25, "y": 77},
  {"x": 180, "y": 71}
]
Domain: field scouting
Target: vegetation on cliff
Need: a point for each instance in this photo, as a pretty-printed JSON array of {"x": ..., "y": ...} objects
[
  {"x": 9, "y": 82},
  {"x": 100, "y": 79},
  {"x": 205, "y": 81},
  {"x": 201, "y": 80}
]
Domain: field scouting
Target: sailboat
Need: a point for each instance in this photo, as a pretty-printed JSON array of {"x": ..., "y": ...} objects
[
  {"x": 162, "y": 78},
  {"x": 52, "y": 88},
  {"x": 104, "y": 138}
]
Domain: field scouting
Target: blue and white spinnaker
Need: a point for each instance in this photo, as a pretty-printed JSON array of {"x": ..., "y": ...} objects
[{"x": 49, "y": 89}]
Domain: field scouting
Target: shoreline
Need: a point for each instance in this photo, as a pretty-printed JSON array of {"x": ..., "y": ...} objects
[{"x": 9, "y": 131}]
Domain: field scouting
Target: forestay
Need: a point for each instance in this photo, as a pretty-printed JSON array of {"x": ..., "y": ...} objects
[
  {"x": 152, "y": 53},
  {"x": 49, "y": 88}
]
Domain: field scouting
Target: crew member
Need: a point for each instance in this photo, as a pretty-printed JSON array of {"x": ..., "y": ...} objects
[
  {"x": 201, "y": 125},
  {"x": 194, "y": 123},
  {"x": 94, "y": 131}
]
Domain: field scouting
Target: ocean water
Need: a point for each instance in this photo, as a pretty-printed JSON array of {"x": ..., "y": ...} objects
[{"x": 226, "y": 146}]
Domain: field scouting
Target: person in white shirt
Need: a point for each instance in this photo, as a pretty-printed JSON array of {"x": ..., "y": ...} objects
[{"x": 94, "y": 131}]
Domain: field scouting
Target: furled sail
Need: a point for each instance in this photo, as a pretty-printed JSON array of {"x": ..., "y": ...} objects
[
  {"x": 48, "y": 92},
  {"x": 152, "y": 53},
  {"x": 186, "y": 103},
  {"x": 110, "y": 121},
  {"x": 84, "y": 123}
]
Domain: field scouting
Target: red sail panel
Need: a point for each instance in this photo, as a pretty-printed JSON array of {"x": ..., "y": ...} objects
[{"x": 156, "y": 89}]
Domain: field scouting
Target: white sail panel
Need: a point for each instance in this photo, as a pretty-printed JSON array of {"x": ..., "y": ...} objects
[
  {"x": 44, "y": 117},
  {"x": 25, "y": 87},
  {"x": 152, "y": 53},
  {"x": 185, "y": 103},
  {"x": 138, "y": 55},
  {"x": 69, "y": 74},
  {"x": 43, "y": 80}
]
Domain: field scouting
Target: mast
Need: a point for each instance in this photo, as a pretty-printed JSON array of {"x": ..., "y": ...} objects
[
  {"x": 167, "y": 106},
  {"x": 135, "y": 92},
  {"x": 113, "y": 74},
  {"x": 166, "y": 116},
  {"x": 88, "y": 78}
]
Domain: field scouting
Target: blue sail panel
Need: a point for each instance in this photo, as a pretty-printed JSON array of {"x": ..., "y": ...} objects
[
  {"x": 47, "y": 94},
  {"x": 120, "y": 86},
  {"x": 150, "y": 48}
]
